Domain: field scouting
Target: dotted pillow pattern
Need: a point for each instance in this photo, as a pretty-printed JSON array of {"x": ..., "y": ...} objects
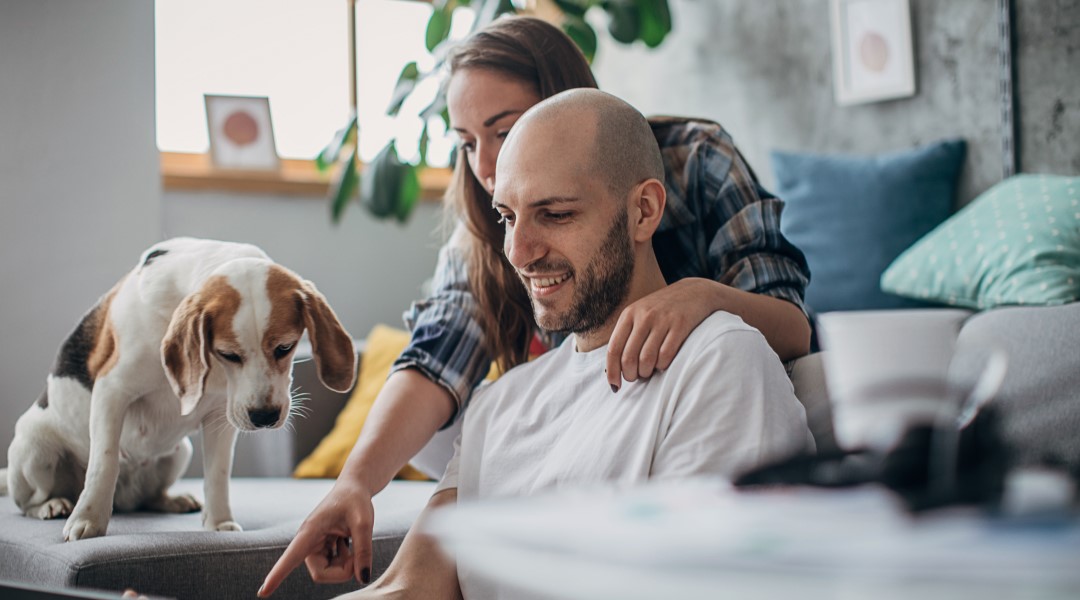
[{"x": 1018, "y": 243}]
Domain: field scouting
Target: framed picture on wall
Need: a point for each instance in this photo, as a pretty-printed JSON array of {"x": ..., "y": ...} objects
[
  {"x": 873, "y": 58},
  {"x": 241, "y": 133}
]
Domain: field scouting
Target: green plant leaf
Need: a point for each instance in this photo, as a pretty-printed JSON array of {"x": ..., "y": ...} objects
[
  {"x": 379, "y": 187},
  {"x": 332, "y": 151},
  {"x": 624, "y": 21},
  {"x": 655, "y": 19},
  {"x": 423, "y": 145},
  {"x": 437, "y": 107},
  {"x": 576, "y": 8},
  {"x": 344, "y": 187},
  {"x": 409, "y": 192},
  {"x": 406, "y": 82},
  {"x": 438, "y": 27},
  {"x": 489, "y": 10},
  {"x": 583, "y": 35}
]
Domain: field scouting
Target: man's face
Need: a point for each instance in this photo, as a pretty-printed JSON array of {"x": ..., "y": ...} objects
[{"x": 566, "y": 235}]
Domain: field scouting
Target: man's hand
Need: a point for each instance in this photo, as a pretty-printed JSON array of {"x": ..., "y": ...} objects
[
  {"x": 650, "y": 332},
  {"x": 323, "y": 540}
]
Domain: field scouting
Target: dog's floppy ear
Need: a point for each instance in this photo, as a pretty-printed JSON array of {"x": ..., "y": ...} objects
[
  {"x": 185, "y": 352},
  {"x": 335, "y": 359}
]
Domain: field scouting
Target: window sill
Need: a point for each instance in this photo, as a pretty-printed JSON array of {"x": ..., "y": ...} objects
[{"x": 193, "y": 172}]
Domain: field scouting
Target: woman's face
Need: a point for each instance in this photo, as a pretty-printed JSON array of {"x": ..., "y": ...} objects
[{"x": 483, "y": 105}]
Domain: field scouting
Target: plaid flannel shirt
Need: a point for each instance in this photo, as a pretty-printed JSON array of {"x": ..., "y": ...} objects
[{"x": 718, "y": 223}]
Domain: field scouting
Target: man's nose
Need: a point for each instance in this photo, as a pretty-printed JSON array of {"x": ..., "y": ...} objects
[{"x": 522, "y": 245}]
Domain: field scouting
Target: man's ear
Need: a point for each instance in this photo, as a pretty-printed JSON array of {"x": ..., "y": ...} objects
[
  {"x": 648, "y": 201},
  {"x": 335, "y": 357},
  {"x": 185, "y": 352}
]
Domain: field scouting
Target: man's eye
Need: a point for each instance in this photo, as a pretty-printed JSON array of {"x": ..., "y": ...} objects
[
  {"x": 559, "y": 216},
  {"x": 282, "y": 351},
  {"x": 230, "y": 356}
]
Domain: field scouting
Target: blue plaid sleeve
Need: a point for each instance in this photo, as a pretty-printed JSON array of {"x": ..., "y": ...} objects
[
  {"x": 447, "y": 342},
  {"x": 719, "y": 221}
]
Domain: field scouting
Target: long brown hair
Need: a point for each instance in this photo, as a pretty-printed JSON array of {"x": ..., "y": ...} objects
[{"x": 538, "y": 54}]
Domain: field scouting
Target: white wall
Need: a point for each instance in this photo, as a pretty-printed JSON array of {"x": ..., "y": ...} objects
[
  {"x": 370, "y": 271},
  {"x": 79, "y": 183}
]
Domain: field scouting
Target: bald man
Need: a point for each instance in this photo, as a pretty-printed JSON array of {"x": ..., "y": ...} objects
[{"x": 579, "y": 186}]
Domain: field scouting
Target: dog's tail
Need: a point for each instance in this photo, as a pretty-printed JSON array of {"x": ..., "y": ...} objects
[{"x": 3, "y": 482}]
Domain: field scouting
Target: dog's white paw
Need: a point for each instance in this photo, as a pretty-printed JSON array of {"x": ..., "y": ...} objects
[
  {"x": 227, "y": 526},
  {"x": 53, "y": 508},
  {"x": 79, "y": 527},
  {"x": 183, "y": 503}
]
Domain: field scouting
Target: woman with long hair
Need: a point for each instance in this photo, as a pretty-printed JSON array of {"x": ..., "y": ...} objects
[{"x": 719, "y": 246}]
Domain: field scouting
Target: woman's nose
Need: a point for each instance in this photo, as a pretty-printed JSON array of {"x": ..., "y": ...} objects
[{"x": 485, "y": 166}]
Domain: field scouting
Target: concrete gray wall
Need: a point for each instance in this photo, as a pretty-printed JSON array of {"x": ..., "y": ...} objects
[
  {"x": 763, "y": 70},
  {"x": 79, "y": 186}
]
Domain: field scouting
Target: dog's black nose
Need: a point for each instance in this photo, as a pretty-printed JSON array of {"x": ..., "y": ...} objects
[{"x": 264, "y": 417}]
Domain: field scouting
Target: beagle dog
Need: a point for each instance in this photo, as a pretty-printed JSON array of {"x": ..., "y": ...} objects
[{"x": 200, "y": 335}]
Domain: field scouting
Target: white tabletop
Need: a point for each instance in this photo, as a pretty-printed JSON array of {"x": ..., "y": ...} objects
[{"x": 702, "y": 539}]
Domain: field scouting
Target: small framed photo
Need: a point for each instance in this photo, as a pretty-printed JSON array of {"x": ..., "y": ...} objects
[
  {"x": 873, "y": 58},
  {"x": 241, "y": 133}
]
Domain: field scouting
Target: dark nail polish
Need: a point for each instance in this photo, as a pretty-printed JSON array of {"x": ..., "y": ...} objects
[
  {"x": 614, "y": 388},
  {"x": 365, "y": 576}
]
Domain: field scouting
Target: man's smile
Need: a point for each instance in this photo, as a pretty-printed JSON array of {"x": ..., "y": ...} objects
[{"x": 547, "y": 285}]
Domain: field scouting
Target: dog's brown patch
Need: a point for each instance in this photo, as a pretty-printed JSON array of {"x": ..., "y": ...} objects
[
  {"x": 90, "y": 351},
  {"x": 220, "y": 303},
  {"x": 203, "y": 317},
  {"x": 286, "y": 321},
  {"x": 105, "y": 353}
]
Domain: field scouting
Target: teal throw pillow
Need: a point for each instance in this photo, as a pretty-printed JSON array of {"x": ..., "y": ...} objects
[
  {"x": 1018, "y": 243},
  {"x": 852, "y": 216}
]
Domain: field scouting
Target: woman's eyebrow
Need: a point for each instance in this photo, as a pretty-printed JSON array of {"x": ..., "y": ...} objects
[{"x": 493, "y": 119}]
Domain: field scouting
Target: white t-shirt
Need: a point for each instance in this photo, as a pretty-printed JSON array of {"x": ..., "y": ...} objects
[{"x": 724, "y": 405}]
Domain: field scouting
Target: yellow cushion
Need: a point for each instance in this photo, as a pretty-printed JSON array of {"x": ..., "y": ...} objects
[{"x": 384, "y": 344}]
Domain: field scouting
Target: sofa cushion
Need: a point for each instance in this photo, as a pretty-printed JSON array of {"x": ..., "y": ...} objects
[
  {"x": 381, "y": 348},
  {"x": 1016, "y": 244},
  {"x": 1039, "y": 403},
  {"x": 852, "y": 216},
  {"x": 170, "y": 555}
]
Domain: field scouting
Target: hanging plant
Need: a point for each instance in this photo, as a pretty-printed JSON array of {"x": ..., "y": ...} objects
[{"x": 389, "y": 187}]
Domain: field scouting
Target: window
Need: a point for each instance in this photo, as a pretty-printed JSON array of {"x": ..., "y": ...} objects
[{"x": 296, "y": 53}]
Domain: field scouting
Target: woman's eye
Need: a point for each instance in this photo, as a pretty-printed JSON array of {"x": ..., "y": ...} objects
[
  {"x": 230, "y": 356},
  {"x": 282, "y": 351},
  {"x": 467, "y": 147},
  {"x": 505, "y": 219}
]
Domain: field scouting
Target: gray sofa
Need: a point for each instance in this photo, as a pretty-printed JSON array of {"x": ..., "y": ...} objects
[{"x": 169, "y": 555}]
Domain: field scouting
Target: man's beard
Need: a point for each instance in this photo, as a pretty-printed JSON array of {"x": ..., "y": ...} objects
[{"x": 599, "y": 291}]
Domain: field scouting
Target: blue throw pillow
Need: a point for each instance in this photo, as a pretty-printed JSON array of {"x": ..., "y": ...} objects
[{"x": 852, "y": 216}]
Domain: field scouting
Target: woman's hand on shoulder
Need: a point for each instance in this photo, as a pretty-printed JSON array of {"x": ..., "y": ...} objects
[{"x": 650, "y": 332}]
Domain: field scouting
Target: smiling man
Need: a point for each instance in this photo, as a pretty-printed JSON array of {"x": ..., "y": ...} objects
[{"x": 579, "y": 186}]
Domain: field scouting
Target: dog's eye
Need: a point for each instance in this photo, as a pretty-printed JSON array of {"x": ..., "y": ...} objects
[
  {"x": 282, "y": 351},
  {"x": 229, "y": 356}
]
